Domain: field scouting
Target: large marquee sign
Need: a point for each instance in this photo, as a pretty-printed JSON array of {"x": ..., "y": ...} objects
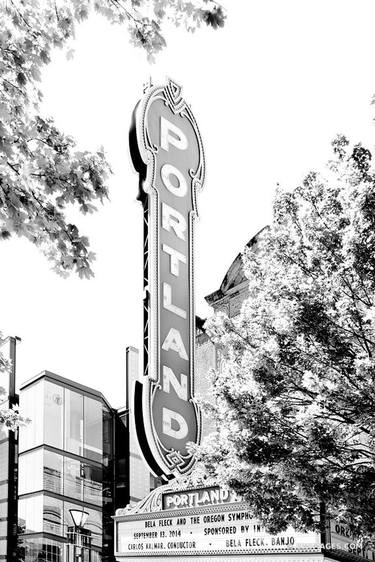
[
  {"x": 167, "y": 152},
  {"x": 214, "y": 528},
  {"x": 212, "y": 521}
]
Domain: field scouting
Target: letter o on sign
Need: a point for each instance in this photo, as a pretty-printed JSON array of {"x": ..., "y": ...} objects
[{"x": 167, "y": 171}]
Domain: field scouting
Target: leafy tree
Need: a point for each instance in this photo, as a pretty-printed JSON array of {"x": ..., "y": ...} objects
[
  {"x": 41, "y": 172},
  {"x": 294, "y": 402}
]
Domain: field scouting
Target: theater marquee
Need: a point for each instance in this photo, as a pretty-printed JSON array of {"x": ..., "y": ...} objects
[
  {"x": 167, "y": 152},
  {"x": 215, "y": 529}
]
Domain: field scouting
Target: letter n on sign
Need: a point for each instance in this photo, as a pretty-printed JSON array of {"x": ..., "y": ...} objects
[{"x": 167, "y": 152}]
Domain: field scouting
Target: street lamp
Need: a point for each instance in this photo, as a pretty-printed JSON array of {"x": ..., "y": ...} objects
[
  {"x": 79, "y": 517},
  {"x": 79, "y": 537}
]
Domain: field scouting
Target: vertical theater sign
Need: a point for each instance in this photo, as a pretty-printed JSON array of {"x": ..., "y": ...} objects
[{"x": 167, "y": 152}]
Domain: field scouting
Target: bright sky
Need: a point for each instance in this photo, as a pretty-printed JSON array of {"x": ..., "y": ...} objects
[{"x": 269, "y": 92}]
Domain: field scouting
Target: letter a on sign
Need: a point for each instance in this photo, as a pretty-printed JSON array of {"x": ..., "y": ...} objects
[{"x": 167, "y": 152}]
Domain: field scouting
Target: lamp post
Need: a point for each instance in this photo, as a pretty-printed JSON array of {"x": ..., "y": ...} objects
[{"x": 79, "y": 537}]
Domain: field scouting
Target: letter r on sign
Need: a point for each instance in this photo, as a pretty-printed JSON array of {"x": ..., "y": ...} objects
[{"x": 172, "y": 219}]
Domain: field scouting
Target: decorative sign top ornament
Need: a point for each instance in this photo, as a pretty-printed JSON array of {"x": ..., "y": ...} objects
[{"x": 167, "y": 152}]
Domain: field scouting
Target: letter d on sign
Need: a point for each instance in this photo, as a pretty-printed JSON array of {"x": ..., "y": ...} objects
[{"x": 168, "y": 417}]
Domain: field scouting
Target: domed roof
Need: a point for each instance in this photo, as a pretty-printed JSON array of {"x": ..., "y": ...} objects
[{"x": 235, "y": 275}]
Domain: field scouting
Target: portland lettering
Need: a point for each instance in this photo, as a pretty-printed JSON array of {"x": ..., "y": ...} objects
[{"x": 170, "y": 147}]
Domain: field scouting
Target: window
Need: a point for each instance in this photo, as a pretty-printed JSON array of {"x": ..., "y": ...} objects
[
  {"x": 40, "y": 470},
  {"x": 92, "y": 484},
  {"x": 41, "y": 549},
  {"x": 30, "y": 514},
  {"x": 30, "y": 472},
  {"x": 73, "y": 422},
  {"x": 40, "y": 513},
  {"x": 52, "y": 515},
  {"x": 52, "y": 472},
  {"x": 53, "y": 414},
  {"x": 93, "y": 429},
  {"x": 42, "y": 402},
  {"x": 31, "y": 406},
  {"x": 95, "y": 525},
  {"x": 83, "y": 481},
  {"x": 73, "y": 478}
]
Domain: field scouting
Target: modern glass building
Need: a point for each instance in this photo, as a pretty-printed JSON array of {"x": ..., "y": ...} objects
[{"x": 67, "y": 461}]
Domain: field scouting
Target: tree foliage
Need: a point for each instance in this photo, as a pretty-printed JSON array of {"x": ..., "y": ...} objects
[
  {"x": 294, "y": 401},
  {"x": 41, "y": 172}
]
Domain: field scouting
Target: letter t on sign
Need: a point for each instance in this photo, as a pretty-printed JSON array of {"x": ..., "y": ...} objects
[{"x": 176, "y": 258}]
